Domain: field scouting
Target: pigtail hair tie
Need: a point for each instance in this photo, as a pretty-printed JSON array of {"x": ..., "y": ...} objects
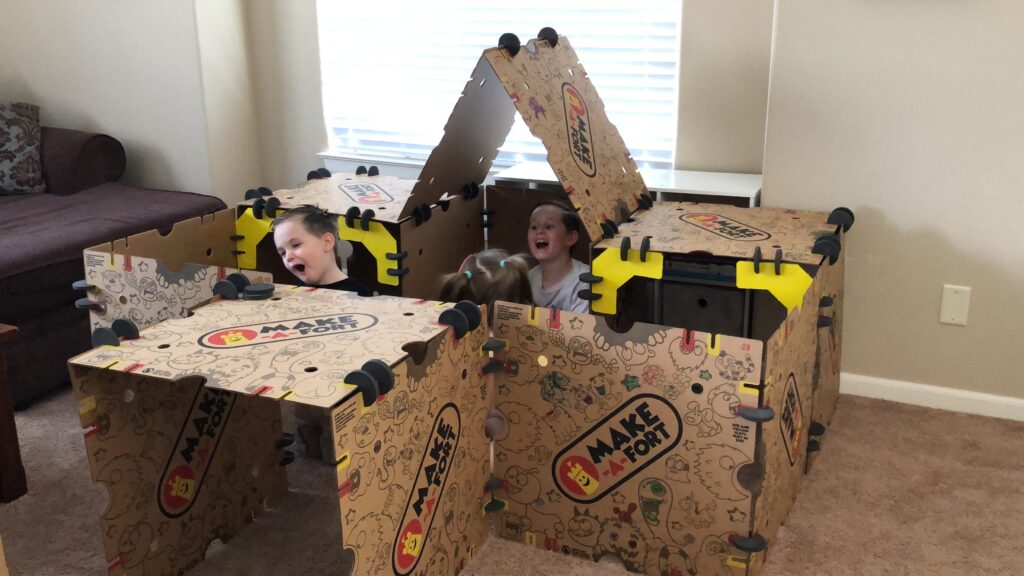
[{"x": 468, "y": 273}]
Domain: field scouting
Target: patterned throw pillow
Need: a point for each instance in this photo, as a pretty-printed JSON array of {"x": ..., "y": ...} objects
[{"x": 20, "y": 169}]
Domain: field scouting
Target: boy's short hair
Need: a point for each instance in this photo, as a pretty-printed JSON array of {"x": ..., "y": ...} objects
[
  {"x": 570, "y": 218},
  {"x": 316, "y": 221}
]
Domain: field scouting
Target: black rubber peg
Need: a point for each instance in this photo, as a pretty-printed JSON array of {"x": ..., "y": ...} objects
[
  {"x": 251, "y": 194},
  {"x": 813, "y": 445},
  {"x": 778, "y": 261},
  {"x": 264, "y": 191},
  {"x": 312, "y": 175},
  {"x": 82, "y": 285},
  {"x": 382, "y": 373},
  {"x": 606, "y": 230},
  {"x": 418, "y": 216},
  {"x": 125, "y": 328},
  {"x": 588, "y": 278},
  {"x": 366, "y": 384},
  {"x": 842, "y": 217},
  {"x": 588, "y": 295},
  {"x": 827, "y": 245},
  {"x": 360, "y": 170},
  {"x": 257, "y": 208},
  {"x": 86, "y": 304},
  {"x": 456, "y": 319},
  {"x": 272, "y": 205},
  {"x": 238, "y": 279},
  {"x": 472, "y": 313},
  {"x": 258, "y": 292},
  {"x": 323, "y": 172},
  {"x": 373, "y": 171},
  {"x": 757, "y": 259},
  {"x": 816, "y": 429},
  {"x": 494, "y": 427},
  {"x": 287, "y": 459},
  {"x": 493, "y": 345},
  {"x": 399, "y": 272},
  {"x": 756, "y": 414},
  {"x": 494, "y": 483},
  {"x": 494, "y": 505},
  {"x": 105, "y": 337},
  {"x": 494, "y": 367},
  {"x": 624, "y": 249},
  {"x": 364, "y": 219},
  {"x": 824, "y": 321},
  {"x": 645, "y": 247},
  {"x": 226, "y": 290},
  {"x": 752, "y": 544},
  {"x": 350, "y": 216},
  {"x": 548, "y": 33},
  {"x": 510, "y": 42},
  {"x": 826, "y": 301},
  {"x": 287, "y": 439},
  {"x": 397, "y": 256}
]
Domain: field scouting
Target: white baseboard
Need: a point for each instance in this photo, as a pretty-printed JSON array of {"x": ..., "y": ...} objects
[{"x": 1007, "y": 407}]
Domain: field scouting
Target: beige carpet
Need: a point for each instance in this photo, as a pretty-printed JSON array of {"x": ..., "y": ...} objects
[{"x": 899, "y": 490}]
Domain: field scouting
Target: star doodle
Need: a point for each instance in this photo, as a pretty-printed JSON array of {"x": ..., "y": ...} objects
[
  {"x": 558, "y": 361},
  {"x": 705, "y": 375},
  {"x": 143, "y": 266},
  {"x": 631, "y": 382},
  {"x": 349, "y": 515},
  {"x": 575, "y": 323},
  {"x": 676, "y": 525},
  {"x": 618, "y": 498},
  {"x": 688, "y": 444},
  {"x": 502, "y": 457},
  {"x": 737, "y": 515},
  {"x": 554, "y": 497}
]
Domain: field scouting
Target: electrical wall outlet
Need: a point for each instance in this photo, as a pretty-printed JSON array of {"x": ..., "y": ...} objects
[{"x": 955, "y": 302}]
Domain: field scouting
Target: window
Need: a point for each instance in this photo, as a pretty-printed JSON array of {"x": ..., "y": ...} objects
[{"x": 393, "y": 70}]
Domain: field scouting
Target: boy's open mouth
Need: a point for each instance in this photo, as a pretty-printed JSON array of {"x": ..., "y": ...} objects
[
  {"x": 300, "y": 268},
  {"x": 541, "y": 244}
]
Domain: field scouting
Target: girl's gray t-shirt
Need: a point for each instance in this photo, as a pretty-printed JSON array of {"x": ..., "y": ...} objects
[{"x": 562, "y": 295}]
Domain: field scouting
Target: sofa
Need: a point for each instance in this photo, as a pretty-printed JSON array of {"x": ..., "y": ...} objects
[{"x": 42, "y": 236}]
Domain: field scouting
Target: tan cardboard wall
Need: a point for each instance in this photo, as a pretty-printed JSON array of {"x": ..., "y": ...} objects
[{"x": 909, "y": 113}]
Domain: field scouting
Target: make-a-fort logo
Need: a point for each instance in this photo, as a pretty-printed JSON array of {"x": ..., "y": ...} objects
[
  {"x": 294, "y": 329},
  {"x": 577, "y": 123},
  {"x": 725, "y": 227},
  {"x": 366, "y": 193},
  {"x": 194, "y": 451},
  {"x": 634, "y": 436},
  {"x": 421, "y": 508},
  {"x": 792, "y": 419}
]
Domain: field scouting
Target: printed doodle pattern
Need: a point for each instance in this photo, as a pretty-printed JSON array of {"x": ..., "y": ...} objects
[{"x": 627, "y": 445}]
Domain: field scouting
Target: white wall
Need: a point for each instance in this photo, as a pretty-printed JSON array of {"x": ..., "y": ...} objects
[
  {"x": 123, "y": 67},
  {"x": 232, "y": 134},
  {"x": 285, "y": 56},
  {"x": 912, "y": 114},
  {"x": 723, "y": 84}
]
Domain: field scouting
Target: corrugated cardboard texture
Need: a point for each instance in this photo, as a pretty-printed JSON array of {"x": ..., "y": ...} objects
[
  {"x": 427, "y": 433},
  {"x": 3, "y": 561},
  {"x": 184, "y": 465},
  {"x": 559, "y": 103},
  {"x": 510, "y": 209},
  {"x": 439, "y": 245},
  {"x": 789, "y": 370},
  {"x": 299, "y": 345},
  {"x": 582, "y": 476},
  {"x": 205, "y": 240},
  {"x": 385, "y": 195},
  {"x": 829, "y": 283},
  {"x": 479, "y": 123},
  {"x": 720, "y": 230},
  {"x": 145, "y": 290}
]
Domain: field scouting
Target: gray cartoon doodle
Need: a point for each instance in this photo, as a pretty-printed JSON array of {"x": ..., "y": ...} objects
[
  {"x": 631, "y": 352},
  {"x": 686, "y": 360},
  {"x": 674, "y": 561},
  {"x": 531, "y": 338},
  {"x": 513, "y": 525},
  {"x": 697, "y": 515},
  {"x": 732, "y": 368},
  {"x": 532, "y": 437},
  {"x": 622, "y": 541},
  {"x": 129, "y": 480},
  {"x": 703, "y": 419},
  {"x": 716, "y": 549},
  {"x": 653, "y": 494},
  {"x": 520, "y": 368},
  {"x": 717, "y": 467},
  {"x": 372, "y": 536},
  {"x": 677, "y": 469},
  {"x": 112, "y": 281},
  {"x": 724, "y": 400},
  {"x": 579, "y": 352},
  {"x": 584, "y": 528},
  {"x": 553, "y": 387}
]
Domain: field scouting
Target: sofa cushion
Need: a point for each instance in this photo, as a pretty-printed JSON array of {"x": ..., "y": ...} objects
[
  {"x": 42, "y": 229},
  {"x": 21, "y": 171}
]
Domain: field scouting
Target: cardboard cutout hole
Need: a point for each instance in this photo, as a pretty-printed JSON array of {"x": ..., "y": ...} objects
[
  {"x": 526, "y": 86},
  {"x": 123, "y": 299},
  {"x": 421, "y": 251},
  {"x": 697, "y": 388},
  {"x": 542, "y": 361},
  {"x": 129, "y": 395},
  {"x": 416, "y": 350},
  {"x": 465, "y": 373},
  {"x": 164, "y": 346},
  {"x": 570, "y": 72},
  {"x": 482, "y": 82},
  {"x": 408, "y": 314},
  {"x": 376, "y": 447},
  {"x": 311, "y": 368},
  {"x": 750, "y": 476},
  {"x": 702, "y": 302},
  {"x": 209, "y": 251},
  {"x": 276, "y": 298}
]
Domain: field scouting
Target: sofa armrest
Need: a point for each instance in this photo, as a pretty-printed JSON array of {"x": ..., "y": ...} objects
[{"x": 74, "y": 160}]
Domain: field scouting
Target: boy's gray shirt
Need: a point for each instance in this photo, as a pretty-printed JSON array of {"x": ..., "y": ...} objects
[{"x": 562, "y": 295}]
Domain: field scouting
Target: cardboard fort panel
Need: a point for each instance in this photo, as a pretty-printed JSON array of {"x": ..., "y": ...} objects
[
  {"x": 630, "y": 445},
  {"x": 391, "y": 254},
  {"x": 830, "y": 339},
  {"x": 151, "y": 277},
  {"x": 3, "y": 561},
  {"x": 183, "y": 464},
  {"x": 559, "y": 103},
  {"x": 412, "y": 467},
  {"x": 182, "y": 425}
]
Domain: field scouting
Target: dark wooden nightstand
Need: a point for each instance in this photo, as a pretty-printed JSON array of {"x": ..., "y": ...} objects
[{"x": 12, "y": 473}]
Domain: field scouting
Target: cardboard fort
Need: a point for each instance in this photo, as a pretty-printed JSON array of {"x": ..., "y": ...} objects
[{"x": 670, "y": 429}]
